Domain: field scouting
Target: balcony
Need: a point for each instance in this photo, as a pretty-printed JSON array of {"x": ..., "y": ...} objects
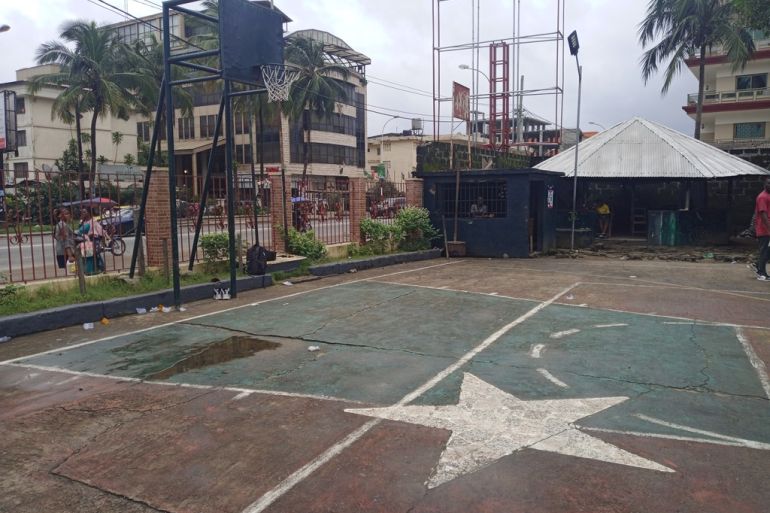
[{"x": 720, "y": 97}]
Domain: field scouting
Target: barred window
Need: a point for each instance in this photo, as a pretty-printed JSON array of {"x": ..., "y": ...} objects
[
  {"x": 21, "y": 138},
  {"x": 241, "y": 122},
  {"x": 144, "y": 131},
  {"x": 750, "y": 130},
  {"x": 477, "y": 199}
]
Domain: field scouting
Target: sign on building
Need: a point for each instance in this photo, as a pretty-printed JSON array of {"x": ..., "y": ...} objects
[{"x": 461, "y": 102}]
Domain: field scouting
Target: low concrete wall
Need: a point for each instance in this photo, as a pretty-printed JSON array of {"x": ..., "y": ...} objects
[
  {"x": 373, "y": 262},
  {"x": 61, "y": 317}
]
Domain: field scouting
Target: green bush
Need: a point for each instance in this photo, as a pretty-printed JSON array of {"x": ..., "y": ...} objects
[
  {"x": 305, "y": 244},
  {"x": 378, "y": 237},
  {"x": 415, "y": 229},
  {"x": 216, "y": 247}
]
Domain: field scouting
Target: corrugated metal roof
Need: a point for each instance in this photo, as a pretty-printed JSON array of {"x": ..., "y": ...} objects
[{"x": 639, "y": 148}]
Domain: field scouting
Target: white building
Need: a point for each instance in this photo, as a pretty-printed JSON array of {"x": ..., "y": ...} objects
[{"x": 42, "y": 138}]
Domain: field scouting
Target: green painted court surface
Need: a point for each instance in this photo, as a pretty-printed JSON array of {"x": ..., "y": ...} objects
[{"x": 681, "y": 394}]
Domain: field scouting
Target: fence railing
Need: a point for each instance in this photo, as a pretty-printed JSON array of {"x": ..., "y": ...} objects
[
  {"x": 740, "y": 95},
  {"x": 384, "y": 199},
  {"x": 31, "y": 210}
]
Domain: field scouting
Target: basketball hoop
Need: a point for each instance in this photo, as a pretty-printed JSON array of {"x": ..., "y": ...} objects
[{"x": 278, "y": 79}]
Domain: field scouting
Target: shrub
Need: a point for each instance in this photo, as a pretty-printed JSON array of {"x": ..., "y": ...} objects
[
  {"x": 379, "y": 237},
  {"x": 305, "y": 244},
  {"x": 415, "y": 229},
  {"x": 215, "y": 248}
]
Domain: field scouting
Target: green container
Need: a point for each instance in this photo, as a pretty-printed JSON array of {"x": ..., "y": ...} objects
[{"x": 663, "y": 228}]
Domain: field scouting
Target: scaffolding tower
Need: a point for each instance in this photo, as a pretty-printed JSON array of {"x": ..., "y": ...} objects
[{"x": 504, "y": 63}]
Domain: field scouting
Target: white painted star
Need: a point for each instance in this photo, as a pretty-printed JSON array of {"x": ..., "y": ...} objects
[{"x": 488, "y": 424}]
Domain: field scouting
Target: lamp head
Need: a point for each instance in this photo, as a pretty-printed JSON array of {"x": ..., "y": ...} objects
[
  {"x": 464, "y": 66},
  {"x": 574, "y": 44},
  {"x": 5, "y": 28}
]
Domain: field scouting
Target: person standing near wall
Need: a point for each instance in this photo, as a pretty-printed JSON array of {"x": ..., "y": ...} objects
[{"x": 762, "y": 227}]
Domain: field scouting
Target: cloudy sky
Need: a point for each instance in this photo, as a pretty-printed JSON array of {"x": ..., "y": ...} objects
[{"x": 396, "y": 34}]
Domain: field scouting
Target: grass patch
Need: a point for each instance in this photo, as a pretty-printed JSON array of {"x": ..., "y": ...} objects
[
  {"x": 19, "y": 299},
  {"x": 302, "y": 270}
]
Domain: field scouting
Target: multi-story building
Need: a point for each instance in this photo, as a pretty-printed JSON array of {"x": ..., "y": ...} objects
[
  {"x": 736, "y": 105},
  {"x": 42, "y": 137},
  {"x": 337, "y": 147},
  {"x": 338, "y": 143}
]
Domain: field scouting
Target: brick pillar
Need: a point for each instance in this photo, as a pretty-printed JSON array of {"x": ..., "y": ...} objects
[
  {"x": 414, "y": 190},
  {"x": 157, "y": 218},
  {"x": 279, "y": 199},
  {"x": 357, "y": 208}
]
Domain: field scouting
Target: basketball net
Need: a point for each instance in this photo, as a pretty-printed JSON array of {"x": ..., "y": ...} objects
[{"x": 278, "y": 80}]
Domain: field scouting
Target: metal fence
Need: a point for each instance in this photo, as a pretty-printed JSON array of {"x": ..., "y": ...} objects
[
  {"x": 323, "y": 207},
  {"x": 384, "y": 199},
  {"x": 32, "y": 208},
  {"x": 250, "y": 198}
]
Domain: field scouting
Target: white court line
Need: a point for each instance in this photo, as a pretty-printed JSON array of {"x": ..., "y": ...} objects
[
  {"x": 565, "y": 333},
  {"x": 744, "y": 442},
  {"x": 242, "y": 395},
  {"x": 201, "y": 316},
  {"x": 618, "y": 325},
  {"x": 239, "y": 390},
  {"x": 536, "y": 350},
  {"x": 755, "y": 361},
  {"x": 553, "y": 379},
  {"x": 448, "y": 289},
  {"x": 301, "y": 474},
  {"x": 721, "y": 441}
]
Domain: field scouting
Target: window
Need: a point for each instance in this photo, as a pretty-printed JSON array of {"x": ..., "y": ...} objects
[
  {"x": 241, "y": 123},
  {"x": 386, "y": 146},
  {"x": 21, "y": 106},
  {"x": 20, "y": 170},
  {"x": 208, "y": 124},
  {"x": 21, "y": 138},
  {"x": 492, "y": 195},
  {"x": 243, "y": 153},
  {"x": 758, "y": 81},
  {"x": 749, "y": 131},
  {"x": 186, "y": 128},
  {"x": 144, "y": 131}
]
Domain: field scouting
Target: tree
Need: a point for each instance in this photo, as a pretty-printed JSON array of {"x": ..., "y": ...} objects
[
  {"x": 68, "y": 163},
  {"x": 316, "y": 91},
  {"x": 755, "y": 14},
  {"x": 117, "y": 138},
  {"x": 687, "y": 29},
  {"x": 91, "y": 72}
]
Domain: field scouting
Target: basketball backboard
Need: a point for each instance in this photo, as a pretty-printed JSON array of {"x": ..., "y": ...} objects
[{"x": 250, "y": 36}]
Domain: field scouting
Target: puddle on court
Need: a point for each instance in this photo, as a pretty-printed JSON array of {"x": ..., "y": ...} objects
[{"x": 217, "y": 352}]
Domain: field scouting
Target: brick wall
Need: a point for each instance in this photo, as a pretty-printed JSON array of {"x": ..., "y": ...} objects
[
  {"x": 357, "y": 208},
  {"x": 157, "y": 218},
  {"x": 280, "y": 198},
  {"x": 414, "y": 190}
]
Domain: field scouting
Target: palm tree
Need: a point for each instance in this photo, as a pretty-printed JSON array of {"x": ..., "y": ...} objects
[
  {"x": 117, "y": 138},
  {"x": 316, "y": 91},
  {"x": 91, "y": 72},
  {"x": 688, "y": 28}
]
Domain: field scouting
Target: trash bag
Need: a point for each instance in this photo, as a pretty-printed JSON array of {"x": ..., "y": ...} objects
[{"x": 256, "y": 260}]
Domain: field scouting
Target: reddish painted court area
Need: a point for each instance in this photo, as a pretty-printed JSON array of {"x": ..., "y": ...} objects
[{"x": 545, "y": 385}]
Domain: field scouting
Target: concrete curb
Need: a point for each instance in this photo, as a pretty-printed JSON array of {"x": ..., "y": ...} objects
[
  {"x": 61, "y": 317},
  {"x": 373, "y": 262}
]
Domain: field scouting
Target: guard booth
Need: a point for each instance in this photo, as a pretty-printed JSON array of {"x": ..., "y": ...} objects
[{"x": 501, "y": 212}]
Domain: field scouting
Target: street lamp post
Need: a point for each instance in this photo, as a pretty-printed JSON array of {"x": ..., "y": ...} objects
[
  {"x": 574, "y": 46},
  {"x": 382, "y": 141},
  {"x": 597, "y": 124}
]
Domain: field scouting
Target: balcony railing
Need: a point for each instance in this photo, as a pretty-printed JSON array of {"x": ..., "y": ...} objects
[{"x": 742, "y": 95}]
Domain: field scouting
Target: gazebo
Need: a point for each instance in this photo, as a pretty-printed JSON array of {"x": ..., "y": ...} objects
[{"x": 645, "y": 170}]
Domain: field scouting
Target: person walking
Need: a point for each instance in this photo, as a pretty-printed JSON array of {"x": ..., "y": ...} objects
[{"x": 762, "y": 227}]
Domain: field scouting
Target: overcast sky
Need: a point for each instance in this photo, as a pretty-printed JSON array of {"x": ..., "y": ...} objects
[{"x": 396, "y": 34}]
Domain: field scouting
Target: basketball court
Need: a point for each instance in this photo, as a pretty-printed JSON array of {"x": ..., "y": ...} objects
[{"x": 471, "y": 385}]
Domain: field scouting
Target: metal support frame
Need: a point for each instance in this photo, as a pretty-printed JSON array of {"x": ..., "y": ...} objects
[
  {"x": 499, "y": 101},
  {"x": 516, "y": 92},
  {"x": 166, "y": 99}
]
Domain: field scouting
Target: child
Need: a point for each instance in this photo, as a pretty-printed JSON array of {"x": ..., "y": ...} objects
[{"x": 65, "y": 239}]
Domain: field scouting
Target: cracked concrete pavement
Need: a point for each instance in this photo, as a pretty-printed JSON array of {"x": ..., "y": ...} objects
[{"x": 87, "y": 431}]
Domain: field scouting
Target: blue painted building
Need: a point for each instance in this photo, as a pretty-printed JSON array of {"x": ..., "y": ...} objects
[{"x": 500, "y": 212}]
